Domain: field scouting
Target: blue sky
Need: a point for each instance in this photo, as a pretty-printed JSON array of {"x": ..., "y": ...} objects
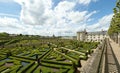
[
  {"x": 59, "y": 17},
  {"x": 11, "y": 8}
]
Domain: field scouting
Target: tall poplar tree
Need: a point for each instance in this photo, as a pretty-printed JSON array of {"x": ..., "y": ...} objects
[{"x": 115, "y": 21}]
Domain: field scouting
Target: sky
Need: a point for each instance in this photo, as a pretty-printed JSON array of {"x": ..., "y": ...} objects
[{"x": 58, "y": 17}]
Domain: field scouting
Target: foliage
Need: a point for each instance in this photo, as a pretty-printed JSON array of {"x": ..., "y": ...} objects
[
  {"x": 115, "y": 21},
  {"x": 26, "y": 68},
  {"x": 55, "y": 55},
  {"x": 3, "y": 68},
  {"x": 4, "y": 34}
]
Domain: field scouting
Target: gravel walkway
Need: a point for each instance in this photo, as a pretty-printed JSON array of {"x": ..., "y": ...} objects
[{"x": 116, "y": 50}]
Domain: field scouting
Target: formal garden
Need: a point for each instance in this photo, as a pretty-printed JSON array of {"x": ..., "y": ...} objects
[{"x": 42, "y": 55}]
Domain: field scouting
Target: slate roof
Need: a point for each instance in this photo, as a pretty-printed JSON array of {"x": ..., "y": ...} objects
[{"x": 97, "y": 33}]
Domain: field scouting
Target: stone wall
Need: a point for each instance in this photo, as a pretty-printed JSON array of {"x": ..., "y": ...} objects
[{"x": 93, "y": 63}]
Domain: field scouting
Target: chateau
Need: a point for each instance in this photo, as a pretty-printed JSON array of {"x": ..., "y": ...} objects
[{"x": 91, "y": 36}]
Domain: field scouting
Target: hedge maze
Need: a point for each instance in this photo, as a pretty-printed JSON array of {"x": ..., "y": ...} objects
[{"x": 43, "y": 55}]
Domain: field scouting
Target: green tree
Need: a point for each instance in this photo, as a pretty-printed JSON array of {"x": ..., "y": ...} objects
[{"x": 115, "y": 21}]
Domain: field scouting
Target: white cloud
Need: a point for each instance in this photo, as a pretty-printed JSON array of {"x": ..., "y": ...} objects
[
  {"x": 11, "y": 25},
  {"x": 61, "y": 18},
  {"x": 5, "y": 21},
  {"x": 84, "y": 2},
  {"x": 103, "y": 23},
  {"x": 40, "y": 17},
  {"x": 9, "y": 15},
  {"x": 33, "y": 11}
]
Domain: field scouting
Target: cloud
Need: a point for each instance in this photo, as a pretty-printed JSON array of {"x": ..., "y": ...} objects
[
  {"x": 84, "y": 2},
  {"x": 103, "y": 23},
  {"x": 59, "y": 19},
  {"x": 33, "y": 12},
  {"x": 11, "y": 25},
  {"x": 5, "y": 21},
  {"x": 41, "y": 17},
  {"x": 9, "y": 15}
]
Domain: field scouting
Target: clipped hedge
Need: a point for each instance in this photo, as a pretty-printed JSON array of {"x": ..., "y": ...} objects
[
  {"x": 16, "y": 69},
  {"x": 12, "y": 41},
  {"x": 3, "y": 42},
  {"x": 37, "y": 70},
  {"x": 71, "y": 71},
  {"x": 30, "y": 70},
  {"x": 23, "y": 57},
  {"x": 3, "y": 68},
  {"x": 57, "y": 62},
  {"x": 45, "y": 54},
  {"x": 2, "y": 56},
  {"x": 16, "y": 62},
  {"x": 73, "y": 60},
  {"x": 2, "y": 63},
  {"x": 13, "y": 69},
  {"x": 63, "y": 70},
  {"x": 46, "y": 70},
  {"x": 83, "y": 57},
  {"x": 54, "y": 65},
  {"x": 22, "y": 70}
]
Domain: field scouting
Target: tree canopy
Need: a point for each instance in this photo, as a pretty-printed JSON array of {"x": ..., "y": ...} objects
[{"x": 115, "y": 21}]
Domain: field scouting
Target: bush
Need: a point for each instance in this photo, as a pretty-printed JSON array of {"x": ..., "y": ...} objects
[
  {"x": 55, "y": 65},
  {"x": 63, "y": 70},
  {"x": 13, "y": 69},
  {"x": 31, "y": 69},
  {"x": 71, "y": 71},
  {"x": 12, "y": 41},
  {"x": 46, "y": 70},
  {"x": 20, "y": 59},
  {"x": 2, "y": 68},
  {"x": 56, "y": 62},
  {"x": 45, "y": 54},
  {"x": 22, "y": 70},
  {"x": 23, "y": 57},
  {"x": 83, "y": 57},
  {"x": 2, "y": 63},
  {"x": 16, "y": 62},
  {"x": 16, "y": 69},
  {"x": 73, "y": 60},
  {"x": 37, "y": 70}
]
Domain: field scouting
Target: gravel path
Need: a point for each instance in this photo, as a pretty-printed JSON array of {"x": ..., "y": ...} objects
[{"x": 116, "y": 50}]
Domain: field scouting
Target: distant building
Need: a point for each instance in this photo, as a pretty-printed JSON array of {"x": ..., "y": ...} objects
[
  {"x": 91, "y": 36},
  {"x": 68, "y": 37}
]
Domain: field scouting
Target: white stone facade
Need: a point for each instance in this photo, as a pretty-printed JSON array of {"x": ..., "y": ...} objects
[{"x": 91, "y": 36}]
